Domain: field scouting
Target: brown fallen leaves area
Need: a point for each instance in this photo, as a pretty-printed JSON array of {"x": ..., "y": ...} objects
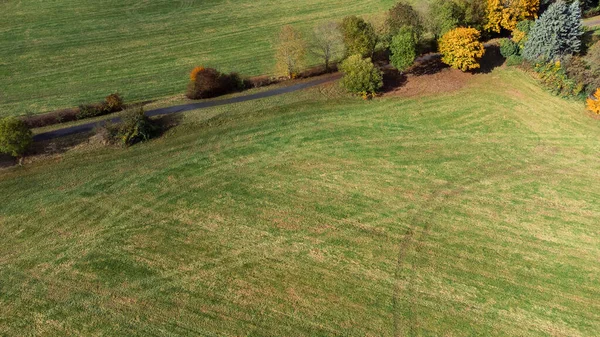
[
  {"x": 411, "y": 85},
  {"x": 432, "y": 77}
]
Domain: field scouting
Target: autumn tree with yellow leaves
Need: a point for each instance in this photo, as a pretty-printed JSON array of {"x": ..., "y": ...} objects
[
  {"x": 461, "y": 49},
  {"x": 290, "y": 53},
  {"x": 505, "y": 14}
]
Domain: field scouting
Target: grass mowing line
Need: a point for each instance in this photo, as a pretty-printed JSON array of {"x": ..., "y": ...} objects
[
  {"x": 64, "y": 54},
  {"x": 285, "y": 216}
]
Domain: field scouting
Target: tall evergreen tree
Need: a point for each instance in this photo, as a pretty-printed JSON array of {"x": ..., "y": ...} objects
[
  {"x": 574, "y": 29},
  {"x": 557, "y": 33}
]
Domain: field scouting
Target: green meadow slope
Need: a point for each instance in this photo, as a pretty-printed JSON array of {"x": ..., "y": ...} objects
[
  {"x": 57, "y": 54},
  {"x": 472, "y": 213}
]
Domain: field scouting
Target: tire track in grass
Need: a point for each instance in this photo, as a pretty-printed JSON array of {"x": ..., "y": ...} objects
[{"x": 415, "y": 235}]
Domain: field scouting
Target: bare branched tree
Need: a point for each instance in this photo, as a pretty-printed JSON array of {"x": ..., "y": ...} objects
[{"x": 327, "y": 43}]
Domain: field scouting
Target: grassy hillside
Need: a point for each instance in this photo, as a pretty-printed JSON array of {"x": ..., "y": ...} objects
[
  {"x": 473, "y": 213},
  {"x": 56, "y": 54}
]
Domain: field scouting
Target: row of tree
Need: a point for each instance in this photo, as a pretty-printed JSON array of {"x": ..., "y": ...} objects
[{"x": 452, "y": 27}]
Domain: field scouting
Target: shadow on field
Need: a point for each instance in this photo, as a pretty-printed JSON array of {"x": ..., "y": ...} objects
[
  {"x": 165, "y": 123},
  {"x": 7, "y": 161},
  {"x": 393, "y": 79}
]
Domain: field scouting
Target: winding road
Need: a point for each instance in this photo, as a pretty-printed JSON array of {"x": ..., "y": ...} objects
[
  {"x": 209, "y": 104},
  {"x": 187, "y": 107}
]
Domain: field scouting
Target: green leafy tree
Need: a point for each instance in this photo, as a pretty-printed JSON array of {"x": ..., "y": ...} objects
[
  {"x": 444, "y": 15},
  {"x": 361, "y": 76},
  {"x": 556, "y": 34},
  {"x": 474, "y": 13},
  {"x": 403, "y": 48},
  {"x": 15, "y": 136},
  {"x": 359, "y": 36},
  {"x": 404, "y": 15}
]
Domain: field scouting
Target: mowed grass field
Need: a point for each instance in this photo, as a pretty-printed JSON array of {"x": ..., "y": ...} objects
[
  {"x": 474, "y": 213},
  {"x": 58, "y": 54}
]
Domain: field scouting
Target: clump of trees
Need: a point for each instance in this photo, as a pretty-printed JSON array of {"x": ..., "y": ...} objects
[
  {"x": 15, "y": 137},
  {"x": 461, "y": 49}
]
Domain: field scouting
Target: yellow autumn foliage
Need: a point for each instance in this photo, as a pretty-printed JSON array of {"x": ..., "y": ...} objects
[
  {"x": 507, "y": 13},
  {"x": 461, "y": 49},
  {"x": 593, "y": 103},
  {"x": 518, "y": 36}
]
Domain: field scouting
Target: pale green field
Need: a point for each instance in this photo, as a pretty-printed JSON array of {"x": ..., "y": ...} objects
[
  {"x": 313, "y": 214},
  {"x": 57, "y": 54}
]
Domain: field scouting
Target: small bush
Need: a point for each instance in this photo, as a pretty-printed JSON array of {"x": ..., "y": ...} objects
[
  {"x": 51, "y": 118},
  {"x": 211, "y": 83},
  {"x": 15, "y": 136},
  {"x": 90, "y": 110},
  {"x": 361, "y": 76},
  {"x": 508, "y": 48},
  {"x": 554, "y": 77},
  {"x": 593, "y": 102},
  {"x": 113, "y": 103},
  {"x": 514, "y": 60},
  {"x": 461, "y": 49},
  {"x": 135, "y": 127},
  {"x": 579, "y": 71},
  {"x": 593, "y": 58}
]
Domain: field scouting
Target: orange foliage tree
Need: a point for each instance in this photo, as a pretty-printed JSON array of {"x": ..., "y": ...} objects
[
  {"x": 593, "y": 103},
  {"x": 507, "y": 13},
  {"x": 461, "y": 49},
  {"x": 195, "y": 72}
]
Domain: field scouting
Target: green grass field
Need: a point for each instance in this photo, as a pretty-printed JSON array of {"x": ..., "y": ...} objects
[
  {"x": 57, "y": 54},
  {"x": 314, "y": 214}
]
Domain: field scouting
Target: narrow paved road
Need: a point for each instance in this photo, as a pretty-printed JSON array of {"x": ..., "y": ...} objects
[
  {"x": 592, "y": 22},
  {"x": 187, "y": 107}
]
